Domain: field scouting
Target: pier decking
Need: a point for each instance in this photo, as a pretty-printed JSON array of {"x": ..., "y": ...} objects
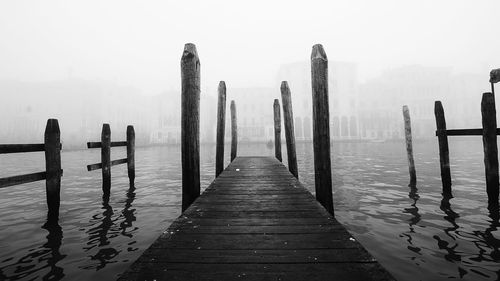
[{"x": 256, "y": 222}]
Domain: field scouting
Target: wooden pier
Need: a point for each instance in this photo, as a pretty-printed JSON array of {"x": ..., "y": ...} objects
[{"x": 256, "y": 221}]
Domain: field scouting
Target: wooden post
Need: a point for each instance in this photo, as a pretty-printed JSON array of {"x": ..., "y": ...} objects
[
  {"x": 488, "y": 113},
  {"x": 53, "y": 168},
  {"x": 444, "y": 155},
  {"x": 321, "y": 128},
  {"x": 106, "y": 159},
  {"x": 234, "y": 131},
  {"x": 289, "y": 131},
  {"x": 277, "y": 130},
  {"x": 131, "y": 153},
  {"x": 190, "y": 124},
  {"x": 409, "y": 147},
  {"x": 221, "y": 125}
]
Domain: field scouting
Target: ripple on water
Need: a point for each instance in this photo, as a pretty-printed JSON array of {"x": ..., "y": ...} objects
[{"x": 411, "y": 231}]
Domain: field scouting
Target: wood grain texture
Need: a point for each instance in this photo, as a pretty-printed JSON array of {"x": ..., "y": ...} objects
[
  {"x": 321, "y": 128},
  {"x": 444, "y": 154},
  {"x": 489, "y": 118},
  {"x": 131, "y": 153},
  {"x": 260, "y": 236},
  {"x": 221, "y": 129},
  {"x": 234, "y": 131},
  {"x": 106, "y": 159},
  {"x": 409, "y": 146},
  {"x": 190, "y": 125},
  {"x": 277, "y": 130},
  {"x": 286, "y": 99},
  {"x": 52, "y": 142}
]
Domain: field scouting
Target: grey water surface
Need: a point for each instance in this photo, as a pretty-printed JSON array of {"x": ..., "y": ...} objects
[{"x": 413, "y": 232}]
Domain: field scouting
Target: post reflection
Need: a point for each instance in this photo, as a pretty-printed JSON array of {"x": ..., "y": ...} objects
[
  {"x": 107, "y": 226},
  {"x": 128, "y": 213},
  {"x": 416, "y": 217},
  {"x": 489, "y": 250},
  {"x": 37, "y": 262},
  {"x": 451, "y": 216}
]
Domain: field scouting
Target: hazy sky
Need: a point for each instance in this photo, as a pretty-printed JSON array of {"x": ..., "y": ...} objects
[{"x": 139, "y": 43}]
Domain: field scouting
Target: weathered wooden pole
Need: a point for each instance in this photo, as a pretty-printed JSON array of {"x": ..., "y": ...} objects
[
  {"x": 321, "y": 128},
  {"x": 488, "y": 113},
  {"x": 494, "y": 78},
  {"x": 131, "y": 153},
  {"x": 277, "y": 130},
  {"x": 53, "y": 168},
  {"x": 234, "y": 131},
  {"x": 106, "y": 159},
  {"x": 409, "y": 147},
  {"x": 190, "y": 124},
  {"x": 221, "y": 125},
  {"x": 289, "y": 129},
  {"x": 444, "y": 155}
]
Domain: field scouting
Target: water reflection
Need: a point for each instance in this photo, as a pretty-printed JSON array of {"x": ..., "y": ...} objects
[
  {"x": 416, "y": 217},
  {"x": 39, "y": 261},
  {"x": 106, "y": 226},
  {"x": 128, "y": 213}
]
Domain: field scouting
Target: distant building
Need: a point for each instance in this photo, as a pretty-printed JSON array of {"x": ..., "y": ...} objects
[
  {"x": 343, "y": 98},
  {"x": 382, "y": 98},
  {"x": 80, "y": 105},
  {"x": 254, "y": 108},
  {"x": 166, "y": 123}
]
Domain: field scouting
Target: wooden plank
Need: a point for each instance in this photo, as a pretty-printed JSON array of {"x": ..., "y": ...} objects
[
  {"x": 98, "y": 144},
  {"x": 256, "y": 229},
  {"x": 465, "y": 132},
  {"x": 233, "y": 256},
  {"x": 252, "y": 225},
  {"x": 20, "y": 148},
  {"x": 150, "y": 270},
  {"x": 96, "y": 166},
  {"x": 21, "y": 179}
]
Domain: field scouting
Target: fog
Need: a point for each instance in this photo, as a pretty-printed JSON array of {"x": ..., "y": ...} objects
[{"x": 88, "y": 62}]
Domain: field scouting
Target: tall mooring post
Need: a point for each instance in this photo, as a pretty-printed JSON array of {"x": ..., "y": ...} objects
[
  {"x": 221, "y": 126},
  {"x": 488, "y": 113},
  {"x": 277, "y": 130},
  {"x": 106, "y": 159},
  {"x": 409, "y": 147},
  {"x": 234, "y": 131},
  {"x": 52, "y": 144},
  {"x": 131, "y": 153},
  {"x": 286, "y": 99},
  {"x": 321, "y": 128},
  {"x": 444, "y": 154},
  {"x": 190, "y": 125}
]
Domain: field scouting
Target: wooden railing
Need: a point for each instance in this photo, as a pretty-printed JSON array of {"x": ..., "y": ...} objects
[
  {"x": 105, "y": 145},
  {"x": 53, "y": 172},
  {"x": 489, "y": 133}
]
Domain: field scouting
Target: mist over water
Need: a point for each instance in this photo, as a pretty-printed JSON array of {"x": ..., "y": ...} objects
[{"x": 91, "y": 62}]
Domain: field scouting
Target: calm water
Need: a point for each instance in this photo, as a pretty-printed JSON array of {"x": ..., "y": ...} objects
[{"x": 414, "y": 233}]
